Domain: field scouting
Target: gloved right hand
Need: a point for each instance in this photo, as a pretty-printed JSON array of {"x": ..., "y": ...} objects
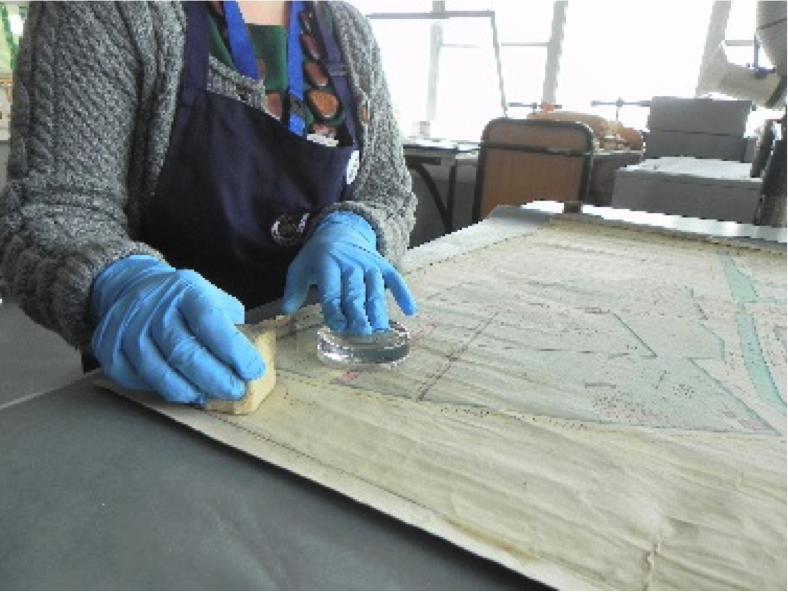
[{"x": 170, "y": 331}]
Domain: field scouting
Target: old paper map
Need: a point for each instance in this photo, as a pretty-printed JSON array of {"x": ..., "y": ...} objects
[{"x": 592, "y": 405}]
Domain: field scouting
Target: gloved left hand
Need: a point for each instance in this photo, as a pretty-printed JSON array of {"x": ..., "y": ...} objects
[{"x": 341, "y": 258}]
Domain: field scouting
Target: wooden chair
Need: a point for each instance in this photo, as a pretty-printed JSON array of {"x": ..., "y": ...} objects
[{"x": 525, "y": 160}]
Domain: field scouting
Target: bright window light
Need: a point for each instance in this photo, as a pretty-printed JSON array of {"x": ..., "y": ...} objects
[{"x": 631, "y": 50}]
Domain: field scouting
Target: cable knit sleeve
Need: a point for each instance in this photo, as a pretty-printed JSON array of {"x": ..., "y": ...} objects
[
  {"x": 383, "y": 188},
  {"x": 63, "y": 211}
]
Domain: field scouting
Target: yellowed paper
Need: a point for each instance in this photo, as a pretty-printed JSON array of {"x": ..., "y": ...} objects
[{"x": 593, "y": 406}]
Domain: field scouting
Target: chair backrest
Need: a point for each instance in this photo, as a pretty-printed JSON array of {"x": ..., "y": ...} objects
[{"x": 525, "y": 160}]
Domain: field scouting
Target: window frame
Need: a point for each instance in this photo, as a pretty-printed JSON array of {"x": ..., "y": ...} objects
[{"x": 715, "y": 34}]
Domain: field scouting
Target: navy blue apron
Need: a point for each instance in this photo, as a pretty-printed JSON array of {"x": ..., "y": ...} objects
[{"x": 237, "y": 187}]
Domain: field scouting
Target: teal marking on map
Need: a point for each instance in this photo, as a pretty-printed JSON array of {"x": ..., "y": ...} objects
[{"x": 743, "y": 292}]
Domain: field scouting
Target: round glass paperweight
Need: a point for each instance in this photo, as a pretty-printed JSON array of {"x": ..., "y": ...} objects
[{"x": 379, "y": 351}]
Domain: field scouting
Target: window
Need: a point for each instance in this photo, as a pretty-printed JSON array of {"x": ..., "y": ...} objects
[
  {"x": 445, "y": 72},
  {"x": 630, "y": 50},
  {"x": 407, "y": 67},
  {"x": 524, "y": 33},
  {"x": 469, "y": 91},
  {"x": 445, "y": 75}
]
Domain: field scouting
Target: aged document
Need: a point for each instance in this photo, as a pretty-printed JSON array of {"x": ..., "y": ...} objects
[{"x": 593, "y": 405}]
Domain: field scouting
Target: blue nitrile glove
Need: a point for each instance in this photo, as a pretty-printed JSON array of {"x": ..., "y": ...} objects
[
  {"x": 170, "y": 331},
  {"x": 351, "y": 276}
]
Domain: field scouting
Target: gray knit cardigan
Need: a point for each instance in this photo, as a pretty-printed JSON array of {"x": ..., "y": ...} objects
[{"x": 95, "y": 94}]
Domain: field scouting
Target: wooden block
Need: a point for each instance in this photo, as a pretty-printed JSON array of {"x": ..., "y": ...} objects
[{"x": 263, "y": 336}]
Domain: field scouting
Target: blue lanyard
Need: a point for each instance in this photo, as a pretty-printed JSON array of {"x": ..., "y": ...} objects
[
  {"x": 240, "y": 46},
  {"x": 243, "y": 56},
  {"x": 295, "y": 71}
]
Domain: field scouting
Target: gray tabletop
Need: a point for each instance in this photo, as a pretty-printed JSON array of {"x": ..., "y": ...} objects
[
  {"x": 100, "y": 493},
  {"x": 97, "y": 492}
]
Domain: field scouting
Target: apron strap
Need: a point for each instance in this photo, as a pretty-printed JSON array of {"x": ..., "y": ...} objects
[
  {"x": 244, "y": 59},
  {"x": 197, "y": 58},
  {"x": 295, "y": 71},
  {"x": 197, "y": 50}
]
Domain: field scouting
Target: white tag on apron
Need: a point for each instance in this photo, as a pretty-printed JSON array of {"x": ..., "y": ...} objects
[
  {"x": 352, "y": 167},
  {"x": 325, "y": 141}
]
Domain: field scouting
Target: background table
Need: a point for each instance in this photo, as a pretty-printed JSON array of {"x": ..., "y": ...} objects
[{"x": 418, "y": 156}]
